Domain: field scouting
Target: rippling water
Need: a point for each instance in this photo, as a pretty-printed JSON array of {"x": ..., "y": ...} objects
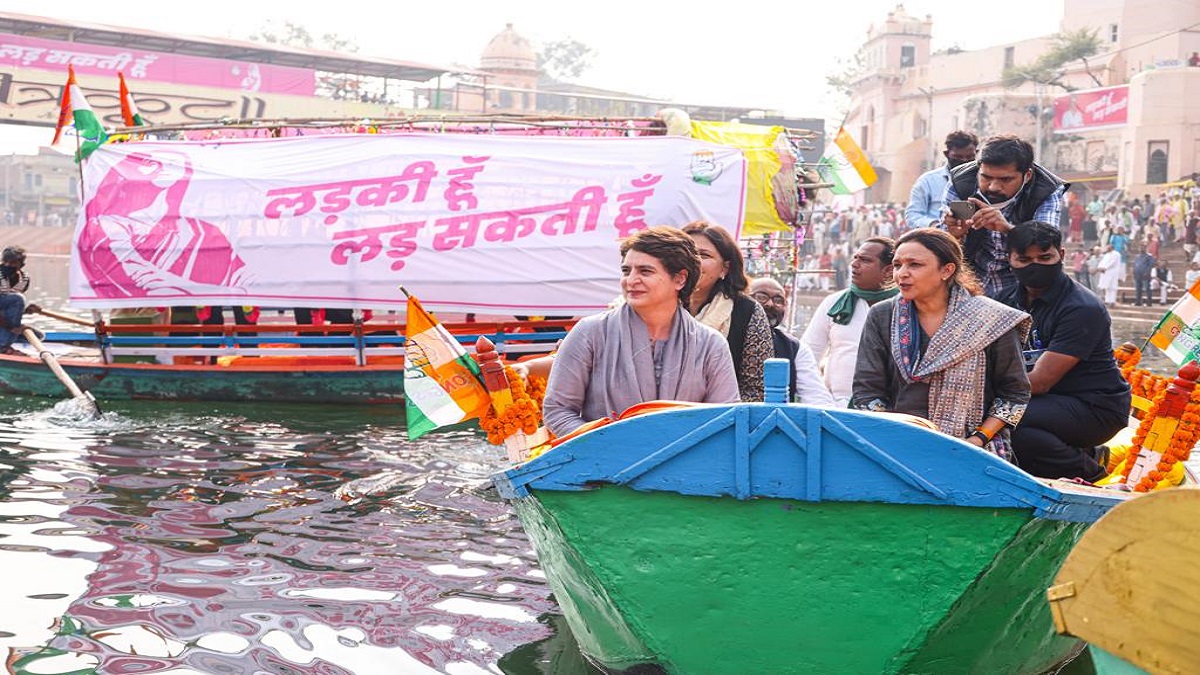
[{"x": 259, "y": 539}]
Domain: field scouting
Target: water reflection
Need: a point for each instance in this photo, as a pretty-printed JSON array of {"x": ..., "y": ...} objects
[{"x": 297, "y": 539}]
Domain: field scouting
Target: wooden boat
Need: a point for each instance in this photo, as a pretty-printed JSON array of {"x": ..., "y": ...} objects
[
  {"x": 774, "y": 538},
  {"x": 1131, "y": 586},
  {"x": 364, "y": 367}
]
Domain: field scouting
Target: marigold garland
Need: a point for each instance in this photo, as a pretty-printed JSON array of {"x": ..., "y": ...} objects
[
  {"x": 1178, "y": 448},
  {"x": 1153, "y": 388},
  {"x": 523, "y": 414}
]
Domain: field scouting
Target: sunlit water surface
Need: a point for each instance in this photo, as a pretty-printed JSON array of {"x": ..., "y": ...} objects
[{"x": 275, "y": 539}]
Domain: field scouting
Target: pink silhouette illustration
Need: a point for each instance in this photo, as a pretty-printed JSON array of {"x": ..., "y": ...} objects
[{"x": 137, "y": 243}]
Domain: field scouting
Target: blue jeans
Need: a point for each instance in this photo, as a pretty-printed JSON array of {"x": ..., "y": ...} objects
[{"x": 12, "y": 307}]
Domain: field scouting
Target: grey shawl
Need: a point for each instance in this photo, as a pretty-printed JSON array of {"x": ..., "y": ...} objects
[{"x": 606, "y": 365}]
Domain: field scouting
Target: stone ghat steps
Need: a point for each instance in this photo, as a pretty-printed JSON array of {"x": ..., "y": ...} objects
[{"x": 38, "y": 240}]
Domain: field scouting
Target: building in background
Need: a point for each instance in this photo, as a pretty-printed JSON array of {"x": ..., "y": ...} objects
[
  {"x": 1134, "y": 122},
  {"x": 179, "y": 79},
  {"x": 39, "y": 189},
  {"x": 509, "y": 80}
]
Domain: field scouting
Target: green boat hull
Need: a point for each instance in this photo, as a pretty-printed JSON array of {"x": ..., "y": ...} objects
[
  {"x": 327, "y": 384},
  {"x": 698, "y": 584}
]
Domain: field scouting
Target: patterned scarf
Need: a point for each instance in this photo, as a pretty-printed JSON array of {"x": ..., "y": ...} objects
[{"x": 954, "y": 363}]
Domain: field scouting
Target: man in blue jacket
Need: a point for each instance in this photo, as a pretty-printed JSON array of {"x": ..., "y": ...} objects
[{"x": 925, "y": 200}]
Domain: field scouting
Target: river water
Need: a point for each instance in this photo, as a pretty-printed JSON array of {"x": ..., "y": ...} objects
[{"x": 262, "y": 538}]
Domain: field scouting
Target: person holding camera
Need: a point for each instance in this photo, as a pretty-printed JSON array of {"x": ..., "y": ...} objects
[
  {"x": 14, "y": 282},
  {"x": 987, "y": 196},
  {"x": 1079, "y": 399}
]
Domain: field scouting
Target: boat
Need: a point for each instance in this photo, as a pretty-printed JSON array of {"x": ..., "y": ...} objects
[
  {"x": 270, "y": 362},
  {"x": 497, "y": 217},
  {"x": 779, "y": 538},
  {"x": 1131, "y": 587}
]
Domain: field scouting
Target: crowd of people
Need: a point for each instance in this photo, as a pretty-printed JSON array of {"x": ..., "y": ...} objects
[
  {"x": 1113, "y": 244},
  {"x": 970, "y": 320}
]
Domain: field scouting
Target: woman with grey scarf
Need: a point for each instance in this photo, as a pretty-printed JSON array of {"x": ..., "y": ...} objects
[{"x": 647, "y": 348}]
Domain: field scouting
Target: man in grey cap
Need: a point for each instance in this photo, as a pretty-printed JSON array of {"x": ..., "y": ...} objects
[{"x": 14, "y": 282}]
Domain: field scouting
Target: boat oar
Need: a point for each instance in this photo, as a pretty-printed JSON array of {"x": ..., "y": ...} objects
[
  {"x": 65, "y": 317},
  {"x": 84, "y": 399}
]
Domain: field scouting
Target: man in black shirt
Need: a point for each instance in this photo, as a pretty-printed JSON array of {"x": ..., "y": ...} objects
[{"x": 1079, "y": 398}]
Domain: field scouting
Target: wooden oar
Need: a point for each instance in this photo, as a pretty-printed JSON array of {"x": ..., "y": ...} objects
[
  {"x": 83, "y": 398},
  {"x": 65, "y": 317}
]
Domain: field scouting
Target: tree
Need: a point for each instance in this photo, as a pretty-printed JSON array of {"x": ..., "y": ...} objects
[
  {"x": 844, "y": 81},
  {"x": 296, "y": 35},
  {"x": 1050, "y": 68},
  {"x": 565, "y": 59},
  {"x": 334, "y": 85},
  {"x": 849, "y": 72}
]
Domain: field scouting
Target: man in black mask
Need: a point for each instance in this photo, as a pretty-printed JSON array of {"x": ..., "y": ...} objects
[{"x": 1079, "y": 398}]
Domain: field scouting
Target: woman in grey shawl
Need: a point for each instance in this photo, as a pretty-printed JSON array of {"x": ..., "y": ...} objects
[
  {"x": 649, "y": 348},
  {"x": 943, "y": 351}
]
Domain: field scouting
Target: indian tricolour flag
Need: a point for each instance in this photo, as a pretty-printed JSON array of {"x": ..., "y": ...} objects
[
  {"x": 846, "y": 166},
  {"x": 87, "y": 125},
  {"x": 1178, "y": 333},
  {"x": 442, "y": 383}
]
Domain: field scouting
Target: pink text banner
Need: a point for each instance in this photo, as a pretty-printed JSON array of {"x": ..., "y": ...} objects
[
  {"x": 137, "y": 64},
  {"x": 1091, "y": 109},
  {"x": 488, "y": 224}
]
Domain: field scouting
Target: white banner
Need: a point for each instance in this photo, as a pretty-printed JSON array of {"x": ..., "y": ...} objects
[{"x": 467, "y": 223}]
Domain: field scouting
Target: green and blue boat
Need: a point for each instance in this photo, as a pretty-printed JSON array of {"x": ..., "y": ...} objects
[{"x": 777, "y": 538}]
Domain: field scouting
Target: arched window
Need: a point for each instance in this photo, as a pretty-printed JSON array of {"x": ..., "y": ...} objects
[{"x": 1156, "y": 162}]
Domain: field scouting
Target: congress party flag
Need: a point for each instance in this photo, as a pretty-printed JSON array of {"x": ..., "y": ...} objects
[
  {"x": 846, "y": 166},
  {"x": 1178, "y": 333},
  {"x": 442, "y": 383}
]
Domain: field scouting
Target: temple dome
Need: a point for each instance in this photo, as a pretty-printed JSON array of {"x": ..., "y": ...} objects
[{"x": 509, "y": 51}]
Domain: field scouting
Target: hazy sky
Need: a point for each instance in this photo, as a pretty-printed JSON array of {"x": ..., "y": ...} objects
[{"x": 772, "y": 54}]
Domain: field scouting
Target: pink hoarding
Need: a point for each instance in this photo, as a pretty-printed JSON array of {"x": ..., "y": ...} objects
[
  {"x": 137, "y": 64},
  {"x": 1091, "y": 109}
]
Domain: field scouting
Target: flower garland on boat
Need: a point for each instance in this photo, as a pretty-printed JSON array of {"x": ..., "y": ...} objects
[
  {"x": 1178, "y": 449},
  {"x": 1181, "y": 432},
  {"x": 523, "y": 414},
  {"x": 1143, "y": 383}
]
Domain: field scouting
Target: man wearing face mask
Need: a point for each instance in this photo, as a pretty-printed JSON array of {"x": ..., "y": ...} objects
[
  {"x": 1006, "y": 187},
  {"x": 1079, "y": 398},
  {"x": 925, "y": 200}
]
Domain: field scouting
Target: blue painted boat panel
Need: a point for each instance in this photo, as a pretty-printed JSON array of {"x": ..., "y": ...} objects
[{"x": 796, "y": 452}]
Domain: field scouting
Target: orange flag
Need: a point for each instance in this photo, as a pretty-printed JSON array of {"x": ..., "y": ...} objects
[{"x": 64, "y": 106}]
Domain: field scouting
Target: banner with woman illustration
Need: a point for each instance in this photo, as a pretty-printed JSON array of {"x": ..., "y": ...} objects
[{"x": 470, "y": 223}]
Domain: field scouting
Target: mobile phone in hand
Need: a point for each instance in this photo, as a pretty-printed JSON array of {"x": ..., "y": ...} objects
[{"x": 963, "y": 210}]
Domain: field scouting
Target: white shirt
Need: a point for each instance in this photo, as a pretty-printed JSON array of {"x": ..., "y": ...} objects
[
  {"x": 836, "y": 346},
  {"x": 1110, "y": 270},
  {"x": 809, "y": 387}
]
